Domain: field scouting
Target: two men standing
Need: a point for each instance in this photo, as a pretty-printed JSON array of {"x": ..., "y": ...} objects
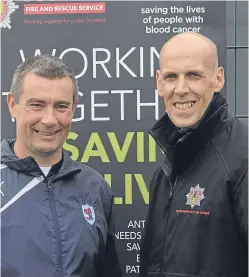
[{"x": 197, "y": 222}]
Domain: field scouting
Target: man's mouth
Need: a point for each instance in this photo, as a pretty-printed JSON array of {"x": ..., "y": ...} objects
[
  {"x": 46, "y": 133},
  {"x": 184, "y": 105}
]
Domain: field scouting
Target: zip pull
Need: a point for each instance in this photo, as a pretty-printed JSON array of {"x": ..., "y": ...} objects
[
  {"x": 49, "y": 185},
  {"x": 171, "y": 192},
  {"x": 169, "y": 199},
  {"x": 172, "y": 187}
]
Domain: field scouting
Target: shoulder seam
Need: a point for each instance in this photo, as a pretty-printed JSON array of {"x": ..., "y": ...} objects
[{"x": 241, "y": 177}]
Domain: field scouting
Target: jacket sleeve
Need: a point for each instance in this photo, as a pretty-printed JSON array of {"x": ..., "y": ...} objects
[
  {"x": 108, "y": 261},
  {"x": 241, "y": 206}
]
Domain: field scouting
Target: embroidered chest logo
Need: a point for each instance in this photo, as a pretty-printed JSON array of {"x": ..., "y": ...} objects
[
  {"x": 195, "y": 196},
  {"x": 88, "y": 213}
]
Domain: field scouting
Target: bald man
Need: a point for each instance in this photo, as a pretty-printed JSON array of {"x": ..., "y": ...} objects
[{"x": 197, "y": 222}]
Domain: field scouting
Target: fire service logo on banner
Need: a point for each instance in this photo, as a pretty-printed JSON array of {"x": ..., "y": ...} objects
[{"x": 7, "y": 7}]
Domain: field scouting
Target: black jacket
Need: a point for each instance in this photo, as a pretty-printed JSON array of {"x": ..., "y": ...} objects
[
  {"x": 59, "y": 225},
  {"x": 197, "y": 222}
]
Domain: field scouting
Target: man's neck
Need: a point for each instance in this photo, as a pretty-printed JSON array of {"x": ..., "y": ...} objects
[{"x": 46, "y": 160}]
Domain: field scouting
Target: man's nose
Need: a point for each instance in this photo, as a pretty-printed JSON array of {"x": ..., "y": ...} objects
[
  {"x": 181, "y": 86},
  {"x": 49, "y": 118}
]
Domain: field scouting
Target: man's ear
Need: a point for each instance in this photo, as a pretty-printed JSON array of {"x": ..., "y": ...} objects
[
  {"x": 11, "y": 104},
  {"x": 159, "y": 83},
  {"x": 220, "y": 79}
]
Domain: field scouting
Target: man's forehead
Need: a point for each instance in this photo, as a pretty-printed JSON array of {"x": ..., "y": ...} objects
[
  {"x": 181, "y": 60},
  {"x": 45, "y": 89}
]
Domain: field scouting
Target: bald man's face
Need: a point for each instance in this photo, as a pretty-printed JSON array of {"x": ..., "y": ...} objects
[{"x": 187, "y": 80}]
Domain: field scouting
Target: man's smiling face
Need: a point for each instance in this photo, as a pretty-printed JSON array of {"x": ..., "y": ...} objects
[
  {"x": 187, "y": 79},
  {"x": 43, "y": 114}
]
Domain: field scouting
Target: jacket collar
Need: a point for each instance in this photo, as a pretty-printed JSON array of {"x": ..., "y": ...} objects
[
  {"x": 190, "y": 141},
  {"x": 29, "y": 166}
]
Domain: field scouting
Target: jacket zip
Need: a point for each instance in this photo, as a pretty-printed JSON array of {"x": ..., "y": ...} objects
[
  {"x": 57, "y": 228},
  {"x": 172, "y": 186}
]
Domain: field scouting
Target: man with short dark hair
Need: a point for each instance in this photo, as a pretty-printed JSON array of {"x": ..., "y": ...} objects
[
  {"x": 56, "y": 214},
  {"x": 197, "y": 222}
]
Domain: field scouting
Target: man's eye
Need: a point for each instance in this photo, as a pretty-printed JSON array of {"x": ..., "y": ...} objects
[
  {"x": 193, "y": 74},
  {"x": 62, "y": 107},
  {"x": 170, "y": 76},
  {"x": 35, "y": 105}
]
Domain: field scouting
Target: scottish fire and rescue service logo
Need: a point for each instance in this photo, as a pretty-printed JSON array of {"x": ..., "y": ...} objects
[
  {"x": 195, "y": 196},
  {"x": 88, "y": 213},
  {"x": 7, "y": 7}
]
